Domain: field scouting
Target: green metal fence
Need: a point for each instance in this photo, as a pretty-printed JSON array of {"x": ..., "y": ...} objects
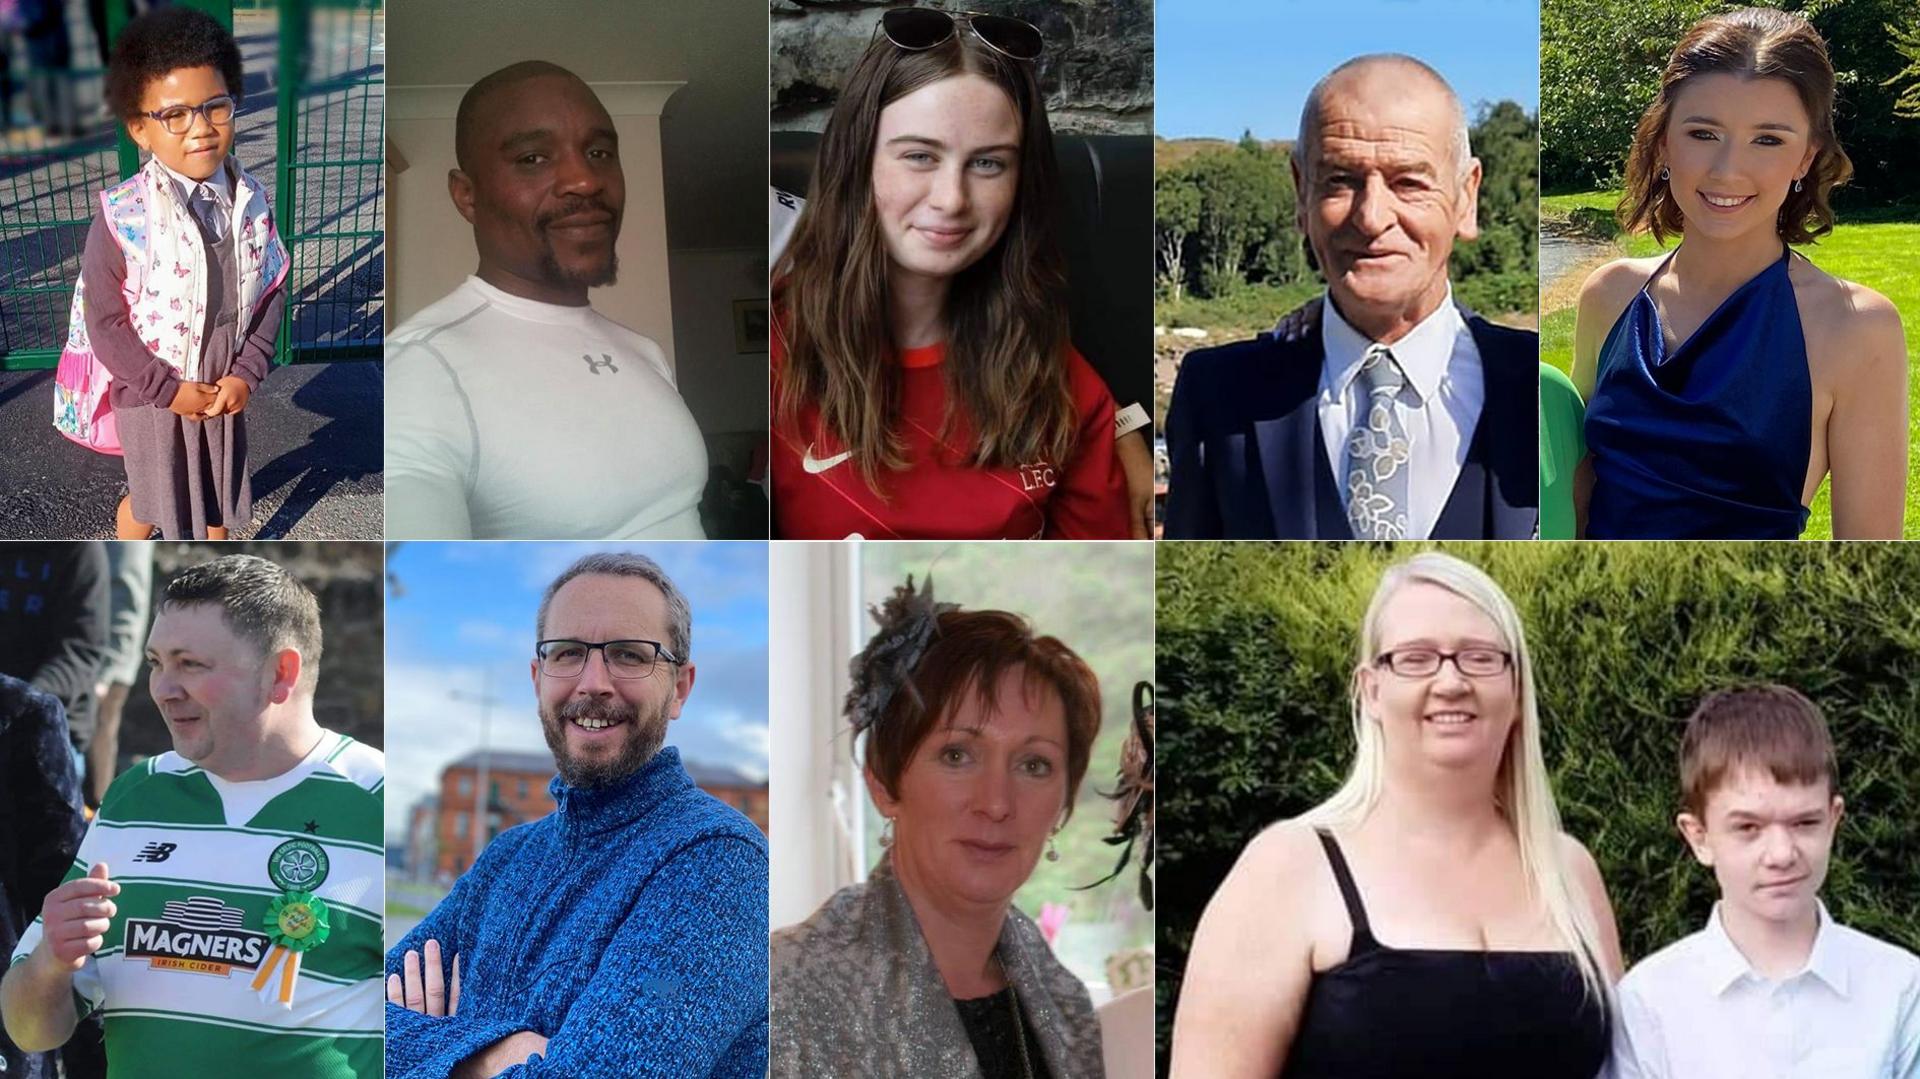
[{"x": 316, "y": 136}]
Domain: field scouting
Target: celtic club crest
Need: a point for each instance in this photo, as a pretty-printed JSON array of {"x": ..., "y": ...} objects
[{"x": 298, "y": 865}]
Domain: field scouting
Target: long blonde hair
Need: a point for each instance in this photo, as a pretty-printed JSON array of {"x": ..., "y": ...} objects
[{"x": 1521, "y": 790}]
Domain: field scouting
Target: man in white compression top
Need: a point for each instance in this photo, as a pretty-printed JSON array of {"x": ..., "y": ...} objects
[{"x": 514, "y": 410}]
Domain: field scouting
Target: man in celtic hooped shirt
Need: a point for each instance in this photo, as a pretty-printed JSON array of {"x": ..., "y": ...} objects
[{"x": 223, "y": 914}]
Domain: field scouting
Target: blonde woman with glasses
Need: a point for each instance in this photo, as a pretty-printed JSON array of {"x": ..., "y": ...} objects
[{"x": 1430, "y": 918}]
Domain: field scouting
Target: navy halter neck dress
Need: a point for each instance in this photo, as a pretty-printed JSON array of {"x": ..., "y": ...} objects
[{"x": 1710, "y": 441}]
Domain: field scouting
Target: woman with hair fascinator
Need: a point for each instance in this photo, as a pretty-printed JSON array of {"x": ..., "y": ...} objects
[{"x": 975, "y": 734}]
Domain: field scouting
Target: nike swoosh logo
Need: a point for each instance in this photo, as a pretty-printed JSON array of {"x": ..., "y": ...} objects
[{"x": 815, "y": 466}]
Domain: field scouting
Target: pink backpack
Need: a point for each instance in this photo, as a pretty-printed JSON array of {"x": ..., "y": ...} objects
[
  {"x": 80, "y": 407},
  {"x": 81, "y": 410}
]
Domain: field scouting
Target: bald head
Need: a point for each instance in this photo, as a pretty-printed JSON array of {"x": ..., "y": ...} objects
[
  {"x": 539, "y": 180},
  {"x": 477, "y": 105},
  {"x": 1391, "y": 75}
]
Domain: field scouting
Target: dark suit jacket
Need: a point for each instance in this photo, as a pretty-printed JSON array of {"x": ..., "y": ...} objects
[
  {"x": 1248, "y": 460},
  {"x": 40, "y": 828}
]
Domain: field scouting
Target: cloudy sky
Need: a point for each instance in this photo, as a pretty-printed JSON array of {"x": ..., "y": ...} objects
[{"x": 460, "y": 621}]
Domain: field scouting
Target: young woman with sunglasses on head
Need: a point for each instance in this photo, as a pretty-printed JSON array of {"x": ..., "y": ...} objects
[
  {"x": 923, "y": 382},
  {"x": 1726, "y": 380},
  {"x": 179, "y": 297},
  {"x": 1430, "y": 918}
]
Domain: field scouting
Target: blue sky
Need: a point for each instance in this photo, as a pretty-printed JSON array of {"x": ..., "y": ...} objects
[
  {"x": 1223, "y": 66},
  {"x": 463, "y": 614}
]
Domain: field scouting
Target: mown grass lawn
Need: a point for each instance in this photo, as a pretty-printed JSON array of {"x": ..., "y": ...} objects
[{"x": 1880, "y": 250}]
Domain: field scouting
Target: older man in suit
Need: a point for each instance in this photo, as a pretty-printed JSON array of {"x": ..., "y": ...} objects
[{"x": 1381, "y": 410}]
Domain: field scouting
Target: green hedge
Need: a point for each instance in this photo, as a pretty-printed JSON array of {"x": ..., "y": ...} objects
[{"x": 1255, "y": 641}]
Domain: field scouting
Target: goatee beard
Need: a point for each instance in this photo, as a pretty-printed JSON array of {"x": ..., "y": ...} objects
[{"x": 644, "y": 736}]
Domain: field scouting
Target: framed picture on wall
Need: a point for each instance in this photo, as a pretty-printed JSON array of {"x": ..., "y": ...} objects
[{"x": 750, "y": 325}]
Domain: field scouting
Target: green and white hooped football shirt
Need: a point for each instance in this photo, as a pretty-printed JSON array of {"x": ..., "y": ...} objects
[{"x": 247, "y": 938}]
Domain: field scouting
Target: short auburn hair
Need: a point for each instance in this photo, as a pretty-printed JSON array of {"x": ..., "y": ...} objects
[
  {"x": 1766, "y": 728},
  {"x": 969, "y": 653},
  {"x": 1751, "y": 43}
]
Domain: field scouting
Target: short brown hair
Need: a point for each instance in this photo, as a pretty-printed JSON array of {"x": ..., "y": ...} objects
[
  {"x": 969, "y": 653},
  {"x": 1761, "y": 727},
  {"x": 1752, "y": 43},
  {"x": 262, "y": 603}
]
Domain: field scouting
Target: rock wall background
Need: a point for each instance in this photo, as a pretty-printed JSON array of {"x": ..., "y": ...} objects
[
  {"x": 347, "y": 578},
  {"x": 1097, "y": 70}
]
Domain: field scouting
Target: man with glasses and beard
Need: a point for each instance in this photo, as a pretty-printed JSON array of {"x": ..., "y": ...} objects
[
  {"x": 512, "y": 404},
  {"x": 626, "y": 933}
]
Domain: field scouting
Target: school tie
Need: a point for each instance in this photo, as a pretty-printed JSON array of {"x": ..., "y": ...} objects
[
  {"x": 206, "y": 207},
  {"x": 1377, "y": 452}
]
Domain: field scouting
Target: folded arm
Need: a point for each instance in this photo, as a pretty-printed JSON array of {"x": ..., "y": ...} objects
[{"x": 685, "y": 977}]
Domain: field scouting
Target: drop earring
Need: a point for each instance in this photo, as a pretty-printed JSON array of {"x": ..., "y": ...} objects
[
  {"x": 886, "y": 834},
  {"x": 1663, "y": 172},
  {"x": 1796, "y": 185}
]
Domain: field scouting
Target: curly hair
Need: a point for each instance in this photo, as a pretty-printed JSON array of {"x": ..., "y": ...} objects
[{"x": 163, "y": 41}]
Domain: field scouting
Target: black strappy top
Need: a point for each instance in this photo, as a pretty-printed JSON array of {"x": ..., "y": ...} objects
[{"x": 1428, "y": 1013}]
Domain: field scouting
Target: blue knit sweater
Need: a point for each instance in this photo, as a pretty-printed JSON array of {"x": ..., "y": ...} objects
[{"x": 629, "y": 927}]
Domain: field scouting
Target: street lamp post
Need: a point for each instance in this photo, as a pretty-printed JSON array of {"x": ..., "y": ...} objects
[{"x": 486, "y": 700}]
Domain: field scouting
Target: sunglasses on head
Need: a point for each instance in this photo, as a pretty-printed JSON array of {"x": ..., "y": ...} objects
[{"x": 918, "y": 29}]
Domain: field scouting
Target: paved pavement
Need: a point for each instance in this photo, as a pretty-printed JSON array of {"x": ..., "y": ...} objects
[
  {"x": 313, "y": 435},
  {"x": 407, "y": 894}
]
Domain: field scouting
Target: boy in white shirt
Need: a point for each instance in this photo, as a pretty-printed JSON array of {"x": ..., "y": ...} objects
[{"x": 1773, "y": 986}]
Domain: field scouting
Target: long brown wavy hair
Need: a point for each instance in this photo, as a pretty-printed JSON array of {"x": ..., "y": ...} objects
[
  {"x": 1006, "y": 314},
  {"x": 1752, "y": 43}
]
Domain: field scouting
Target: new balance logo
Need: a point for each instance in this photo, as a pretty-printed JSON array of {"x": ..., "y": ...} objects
[
  {"x": 156, "y": 852},
  {"x": 605, "y": 361}
]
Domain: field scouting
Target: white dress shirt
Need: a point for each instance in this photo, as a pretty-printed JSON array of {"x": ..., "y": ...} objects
[
  {"x": 1439, "y": 405},
  {"x": 1696, "y": 1009}
]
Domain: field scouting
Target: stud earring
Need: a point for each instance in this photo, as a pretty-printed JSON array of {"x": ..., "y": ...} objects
[{"x": 886, "y": 834}]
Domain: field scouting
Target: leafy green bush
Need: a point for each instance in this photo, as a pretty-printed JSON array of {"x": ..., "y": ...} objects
[{"x": 1255, "y": 642}]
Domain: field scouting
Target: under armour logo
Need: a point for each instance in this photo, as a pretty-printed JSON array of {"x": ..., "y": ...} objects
[
  {"x": 156, "y": 852},
  {"x": 605, "y": 361}
]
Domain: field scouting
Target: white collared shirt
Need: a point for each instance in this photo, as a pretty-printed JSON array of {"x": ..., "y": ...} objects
[
  {"x": 1697, "y": 1009},
  {"x": 1439, "y": 405},
  {"x": 219, "y": 183}
]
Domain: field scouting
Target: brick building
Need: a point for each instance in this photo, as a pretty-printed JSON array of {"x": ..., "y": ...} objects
[{"x": 517, "y": 785}]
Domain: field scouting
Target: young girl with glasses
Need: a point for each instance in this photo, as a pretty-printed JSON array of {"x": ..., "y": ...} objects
[
  {"x": 179, "y": 299},
  {"x": 923, "y": 382}
]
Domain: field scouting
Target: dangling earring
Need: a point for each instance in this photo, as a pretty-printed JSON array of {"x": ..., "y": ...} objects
[
  {"x": 1796, "y": 185},
  {"x": 886, "y": 834},
  {"x": 1663, "y": 172},
  {"x": 1053, "y": 852}
]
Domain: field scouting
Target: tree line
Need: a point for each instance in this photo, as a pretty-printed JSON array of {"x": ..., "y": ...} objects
[{"x": 1224, "y": 218}]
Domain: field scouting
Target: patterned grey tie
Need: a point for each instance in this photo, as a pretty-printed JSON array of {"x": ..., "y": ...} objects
[
  {"x": 1377, "y": 452},
  {"x": 206, "y": 207}
]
